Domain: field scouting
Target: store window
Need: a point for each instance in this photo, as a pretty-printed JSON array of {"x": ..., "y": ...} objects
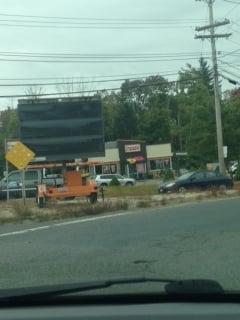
[
  {"x": 106, "y": 169},
  {"x": 159, "y": 164}
]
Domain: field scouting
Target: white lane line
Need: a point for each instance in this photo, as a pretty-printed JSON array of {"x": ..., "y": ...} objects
[
  {"x": 82, "y": 220},
  {"x": 60, "y": 224}
]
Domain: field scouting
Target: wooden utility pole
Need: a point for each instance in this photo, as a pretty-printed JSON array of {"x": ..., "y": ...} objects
[{"x": 212, "y": 36}]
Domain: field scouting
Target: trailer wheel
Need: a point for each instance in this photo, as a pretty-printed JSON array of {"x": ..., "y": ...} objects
[
  {"x": 93, "y": 198},
  {"x": 40, "y": 202}
]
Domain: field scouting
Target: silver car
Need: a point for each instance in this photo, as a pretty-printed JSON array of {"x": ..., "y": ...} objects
[{"x": 105, "y": 179}]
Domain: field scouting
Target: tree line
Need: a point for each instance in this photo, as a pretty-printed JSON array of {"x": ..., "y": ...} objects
[{"x": 158, "y": 111}]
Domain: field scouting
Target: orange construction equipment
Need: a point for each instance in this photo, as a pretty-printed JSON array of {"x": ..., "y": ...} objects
[{"x": 75, "y": 185}]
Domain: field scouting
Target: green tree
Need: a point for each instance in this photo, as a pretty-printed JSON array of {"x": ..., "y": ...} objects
[
  {"x": 109, "y": 103},
  {"x": 193, "y": 124},
  {"x": 9, "y": 130},
  {"x": 154, "y": 121},
  {"x": 125, "y": 122},
  {"x": 231, "y": 120}
]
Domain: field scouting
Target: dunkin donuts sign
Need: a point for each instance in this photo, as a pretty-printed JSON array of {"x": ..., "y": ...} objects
[{"x": 132, "y": 148}]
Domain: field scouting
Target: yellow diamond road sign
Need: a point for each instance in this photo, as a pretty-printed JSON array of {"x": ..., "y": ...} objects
[{"x": 20, "y": 155}]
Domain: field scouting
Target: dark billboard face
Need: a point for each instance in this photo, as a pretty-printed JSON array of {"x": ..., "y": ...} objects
[{"x": 63, "y": 129}]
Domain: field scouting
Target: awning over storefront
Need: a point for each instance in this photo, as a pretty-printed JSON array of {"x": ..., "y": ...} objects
[{"x": 135, "y": 160}]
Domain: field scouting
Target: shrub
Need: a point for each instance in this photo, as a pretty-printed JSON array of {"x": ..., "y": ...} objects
[
  {"x": 114, "y": 182},
  {"x": 143, "y": 204},
  {"x": 164, "y": 201},
  {"x": 22, "y": 210},
  {"x": 150, "y": 176},
  {"x": 167, "y": 175}
]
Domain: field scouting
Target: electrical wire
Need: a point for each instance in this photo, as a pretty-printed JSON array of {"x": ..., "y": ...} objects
[
  {"x": 232, "y": 9},
  {"x": 230, "y": 65},
  {"x": 229, "y": 72},
  {"x": 98, "y": 19},
  {"x": 99, "y": 55},
  {"x": 87, "y": 77},
  {"x": 159, "y": 22},
  {"x": 229, "y": 53},
  {"x": 96, "y": 91},
  {"x": 231, "y": 1},
  {"x": 99, "y": 61},
  {"x": 98, "y": 27},
  {"x": 77, "y": 82}
]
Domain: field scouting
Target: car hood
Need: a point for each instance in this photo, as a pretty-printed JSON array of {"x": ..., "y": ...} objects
[{"x": 166, "y": 183}]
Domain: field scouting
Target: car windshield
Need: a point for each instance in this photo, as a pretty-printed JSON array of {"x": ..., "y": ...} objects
[
  {"x": 185, "y": 176},
  {"x": 103, "y": 106}
]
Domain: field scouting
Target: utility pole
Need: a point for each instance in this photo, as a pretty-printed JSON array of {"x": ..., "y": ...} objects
[{"x": 212, "y": 36}]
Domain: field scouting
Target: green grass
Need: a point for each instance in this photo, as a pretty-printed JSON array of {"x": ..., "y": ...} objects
[{"x": 134, "y": 191}]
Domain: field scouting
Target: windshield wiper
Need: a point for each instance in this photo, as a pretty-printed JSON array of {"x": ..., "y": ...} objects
[{"x": 172, "y": 286}]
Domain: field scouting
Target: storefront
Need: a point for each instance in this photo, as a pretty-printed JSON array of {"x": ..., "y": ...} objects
[
  {"x": 159, "y": 158},
  {"x": 133, "y": 158}
]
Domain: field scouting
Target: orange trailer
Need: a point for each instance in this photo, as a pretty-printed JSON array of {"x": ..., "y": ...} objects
[{"x": 74, "y": 186}]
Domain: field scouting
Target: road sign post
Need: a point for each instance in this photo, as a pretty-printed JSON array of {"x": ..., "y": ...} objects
[
  {"x": 23, "y": 187},
  {"x": 19, "y": 155}
]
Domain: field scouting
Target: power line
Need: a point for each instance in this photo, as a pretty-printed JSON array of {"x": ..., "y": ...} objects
[
  {"x": 230, "y": 53},
  {"x": 77, "y": 82},
  {"x": 229, "y": 72},
  {"x": 98, "y": 27},
  {"x": 90, "y": 76},
  {"x": 100, "y": 61},
  {"x": 231, "y": 1},
  {"x": 236, "y": 43},
  {"x": 97, "y": 19},
  {"x": 234, "y": 66},
  {"x": 100, "y": 55},
  {"x": 97, "y": 91},
  {"x": 237, "y": 24},
  {"x": 120, "y": 23},
  {"x": 232, "y": 9}
]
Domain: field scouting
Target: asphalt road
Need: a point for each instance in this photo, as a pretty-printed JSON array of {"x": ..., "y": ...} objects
[{"x": 190, "y": 241}]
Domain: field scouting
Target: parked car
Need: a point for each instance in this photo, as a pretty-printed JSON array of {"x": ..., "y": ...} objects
[
  {"x": 32, "y": 178},
  {"x": 199, "y": 179},
  {"x": 105, "y": 179}
]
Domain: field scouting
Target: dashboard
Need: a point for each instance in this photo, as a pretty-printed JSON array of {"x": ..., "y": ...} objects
[{"x": 120, "y": 312}]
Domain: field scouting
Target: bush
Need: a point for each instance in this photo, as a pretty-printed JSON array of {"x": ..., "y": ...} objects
[
  {"x": 21, "y": 211},
  {"x": 143, "y": 204},
  {"x": 163, "y": 201},
  {"x": 150, "y": 176},
  {"x": 114, "y": 182},
  {"x": 167, "y": 175}
]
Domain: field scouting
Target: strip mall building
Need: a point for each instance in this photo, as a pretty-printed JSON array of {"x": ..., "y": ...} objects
[{"x": 133, "y": 158}]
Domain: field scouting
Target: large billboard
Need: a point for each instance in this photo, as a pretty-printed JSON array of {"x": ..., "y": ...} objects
[{"x": 62, "y": 129}]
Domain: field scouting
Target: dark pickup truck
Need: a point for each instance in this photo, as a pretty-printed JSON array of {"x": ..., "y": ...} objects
[{"x": 33, "y": 177}]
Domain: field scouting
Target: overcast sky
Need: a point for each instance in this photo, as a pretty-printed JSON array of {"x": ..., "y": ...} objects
[{"x": 173, "y": 34}]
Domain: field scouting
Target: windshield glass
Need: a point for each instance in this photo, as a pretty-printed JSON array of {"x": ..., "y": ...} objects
[
  {"x": 185, "y": 176},
  {"x": 107, "y": 108}
]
